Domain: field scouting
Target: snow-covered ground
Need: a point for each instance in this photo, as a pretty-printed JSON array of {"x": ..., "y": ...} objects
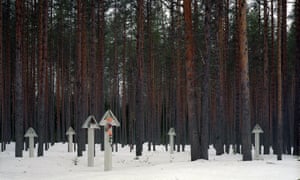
[{"x": 57, "y": 163}]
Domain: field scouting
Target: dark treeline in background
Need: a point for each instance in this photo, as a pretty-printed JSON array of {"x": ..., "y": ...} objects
[{"x": 210, "y": 69}]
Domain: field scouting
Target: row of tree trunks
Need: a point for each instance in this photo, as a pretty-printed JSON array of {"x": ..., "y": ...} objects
[{"x": 53, "y": 98}]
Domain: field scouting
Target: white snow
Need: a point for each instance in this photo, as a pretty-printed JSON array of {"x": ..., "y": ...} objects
[{"x": 57, "y": 163}]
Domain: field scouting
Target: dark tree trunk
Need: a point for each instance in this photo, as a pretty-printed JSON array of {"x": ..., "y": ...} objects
[
  {"x": 42, "y": 60},
  {"x": 220, "y": 82},
  {"x": 266, "y": 112},
  {"x": 272, "y": 81},
  {"x": 92, "y": 64},
  {"x": 150, "y": 88},
  {"x": 237, "y": 85},
  {"x": 179, "y": 83},
  {"x": 79, "y": 87},
  {"x": 2, "y": 110},
  {"x": 124, "y": 89},
  {"x": 84, "y": 76},
  {"x": 279, "y": 82},
  {"x": 19, "y": 98},
  {"x": 140, "y": 78},
  {"x": 100, "y": 69},
  {"x": 297, "y": 89},
  {"x": 285, "y": 81},
  {"x": 190, "y": 75},
  {"x": 8, "y": 82},
  {"x": 206, "y": 84},
  {"x": 246, "y": 118}
]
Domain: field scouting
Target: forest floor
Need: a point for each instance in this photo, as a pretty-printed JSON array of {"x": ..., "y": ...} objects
[{"x": 57, "y": 163}]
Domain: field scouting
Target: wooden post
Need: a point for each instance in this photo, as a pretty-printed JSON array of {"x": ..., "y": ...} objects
[
  {"x": 30, "y": 133},
  {"x": 91, "y": 124},
  {"x": 70, "y": 134},
  {"x": 256, "y": 131},
  {"x": 108, "y": 121},
  {"x": 171, "y": 134}
]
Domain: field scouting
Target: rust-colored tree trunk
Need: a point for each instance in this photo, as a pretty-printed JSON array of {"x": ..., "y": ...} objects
[
  {"x": 19, "y": 97},
  {"x": 190, "y": 81},
  {"x": 246, "y": 118},
  {"x": 140, "y": 78},
  {"x": 279, "y": 81},
  {"x": 266, "y": 112}
]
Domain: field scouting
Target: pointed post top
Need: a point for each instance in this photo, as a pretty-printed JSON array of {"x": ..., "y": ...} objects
[
  {"x": 70, "y": 131},
  {"x": 110, "y": 118},
  {"x": 172, "y": 132},
  {"x": 257, "y": 129},
  {"x": 90, "y": 122},
  {"x": 30, "y": 133}
]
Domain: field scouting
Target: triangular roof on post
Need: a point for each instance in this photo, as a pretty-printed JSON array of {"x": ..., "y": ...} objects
[
  {"x": 30, "y": 133},
  {"x": 91, "y": 122},
  {"x": 172, "y": 132},
  {"x": 108, "y": 114},
  {"x": 257, "y": 129},
  {"x": 70, "y": 131}
]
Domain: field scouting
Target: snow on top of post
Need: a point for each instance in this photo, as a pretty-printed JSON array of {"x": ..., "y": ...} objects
[
  {"x": 172, "y": 132},
  {"x": 109, "y": 115},
  {"x": 90, "y": 122},
  {"x": 70, "y": 131},
  {"x": 257, "y": 129},
  {"x": 30, "y": 133}
]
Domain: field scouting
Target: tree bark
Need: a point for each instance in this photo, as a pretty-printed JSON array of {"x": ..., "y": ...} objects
[
  {"x": 246, "y": 118},
  {"x": 19, "y": 97},
  {"x": 140, "y": 78},
  {"x": 2, "y": 120},
  {"x": 190, "y": 86},
  {"x": 206, "y": 84},
  {"x": 279, "y": 82},
  {"x": 266, "y": 113},
  {"x": 100, "y": 69},
  {"x": 297, "y": 89},
  {"x": 42, "y": 57},
  {"x": 220, "y": 82}
]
